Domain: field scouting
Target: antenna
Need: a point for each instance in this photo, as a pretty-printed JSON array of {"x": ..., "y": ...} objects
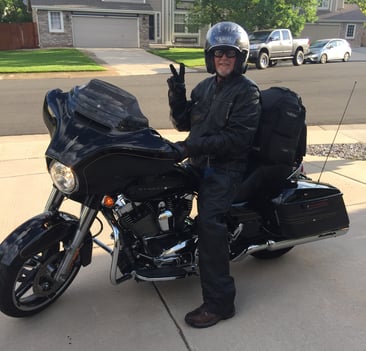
[{"x": 339, "y": 125}]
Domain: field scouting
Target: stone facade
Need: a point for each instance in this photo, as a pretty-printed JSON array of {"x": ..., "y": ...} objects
[
  {"x": 50, "y": 39},
  {"x": 357, "y": 40},
  {"x": 144, "y": 31}
]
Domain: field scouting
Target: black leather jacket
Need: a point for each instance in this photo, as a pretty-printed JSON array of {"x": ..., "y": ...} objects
[{"x": 222, "y": 119}]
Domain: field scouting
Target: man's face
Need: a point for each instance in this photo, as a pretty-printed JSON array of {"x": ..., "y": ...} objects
[{"x": 224, "y": 61}]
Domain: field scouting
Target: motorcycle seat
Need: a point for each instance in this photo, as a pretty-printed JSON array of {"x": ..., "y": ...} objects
[{"x": 263, "y": 179}]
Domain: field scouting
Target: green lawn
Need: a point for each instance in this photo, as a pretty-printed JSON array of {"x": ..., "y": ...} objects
[
  {"x": 191, "y": 57},
  {"x": 46, "y": 60}
]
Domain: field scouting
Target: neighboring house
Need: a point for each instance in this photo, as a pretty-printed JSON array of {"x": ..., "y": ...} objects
[
  {"x": 337, "y": 20},
  {"x": 113, "y": 23},
  {"x": 144, "y": 23}
]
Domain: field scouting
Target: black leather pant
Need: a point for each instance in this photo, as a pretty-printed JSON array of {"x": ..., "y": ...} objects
[{"x": 216, "y": 194}]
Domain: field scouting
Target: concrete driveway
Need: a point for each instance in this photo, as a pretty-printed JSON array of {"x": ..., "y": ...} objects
[{"x": 126, "y": 62}]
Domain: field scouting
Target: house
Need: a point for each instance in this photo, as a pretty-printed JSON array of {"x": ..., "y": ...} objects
[
  {"x": 144, "y": 23},
  {"x": 337, "y": 20},
  {"x": 113, "y": 23}
]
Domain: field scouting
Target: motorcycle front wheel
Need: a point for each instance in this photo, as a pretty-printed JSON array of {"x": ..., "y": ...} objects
[{"x": 27, "y": 286}]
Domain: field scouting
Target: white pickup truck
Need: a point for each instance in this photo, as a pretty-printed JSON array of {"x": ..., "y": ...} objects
[{"x": 269, "y": 46}]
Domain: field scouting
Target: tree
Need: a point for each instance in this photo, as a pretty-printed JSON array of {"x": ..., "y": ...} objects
[
  {"x": 12, "y": 11},
  {"x": 255, "y": 14}
]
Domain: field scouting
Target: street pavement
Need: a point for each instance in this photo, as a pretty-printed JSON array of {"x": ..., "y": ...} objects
[{"x": 311, "y": 299}]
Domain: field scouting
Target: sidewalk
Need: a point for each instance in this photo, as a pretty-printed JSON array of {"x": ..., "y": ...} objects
[
  {"x": 348, "y": 175},
  {"x": 22, "y": 162},
  {"x": 22, "y": 157}
]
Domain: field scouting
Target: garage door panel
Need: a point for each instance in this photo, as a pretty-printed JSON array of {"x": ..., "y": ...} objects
[
  {"x": 105, "y": 32},
  {"x": 320, "y": 31}
]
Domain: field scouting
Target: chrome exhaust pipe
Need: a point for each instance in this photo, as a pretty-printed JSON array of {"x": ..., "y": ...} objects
[{"x": 272, "y": 245}]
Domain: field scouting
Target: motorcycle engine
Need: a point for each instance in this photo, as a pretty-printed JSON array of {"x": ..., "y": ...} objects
[
  {"x": 156, "y": 217},
  {"x": 158, "y": 232}
]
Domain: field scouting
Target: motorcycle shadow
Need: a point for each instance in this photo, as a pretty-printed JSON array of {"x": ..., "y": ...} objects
[
  {"x": 93, "y": 314},
  {"x": 309, "y": 281}
]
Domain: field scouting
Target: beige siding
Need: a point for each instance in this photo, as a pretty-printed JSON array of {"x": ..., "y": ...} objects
[{"x": 321, "y": 31}]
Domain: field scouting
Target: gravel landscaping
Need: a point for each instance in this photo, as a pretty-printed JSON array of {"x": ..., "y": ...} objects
[{"x": 346, "y": 151}]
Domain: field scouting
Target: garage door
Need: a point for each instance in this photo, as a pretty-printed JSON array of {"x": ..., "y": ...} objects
[
  {"x": 320, "y": 31},
  {"x": 105, "y": 32}
]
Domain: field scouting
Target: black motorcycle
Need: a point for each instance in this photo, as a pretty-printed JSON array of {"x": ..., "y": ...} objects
[{"x": 103, "y": 155}]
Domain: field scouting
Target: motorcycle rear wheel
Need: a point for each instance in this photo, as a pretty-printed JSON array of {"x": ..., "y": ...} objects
[
  {"x": 268, "y": 255},
  {"x": 27, "y": 285}
]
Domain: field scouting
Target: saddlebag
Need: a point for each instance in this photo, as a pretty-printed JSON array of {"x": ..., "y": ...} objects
[{"x": 310, "y": 209}]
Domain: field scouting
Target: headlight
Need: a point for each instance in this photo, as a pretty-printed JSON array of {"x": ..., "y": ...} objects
[
  {"x": 63, "y": 177},
  {"x": 254, "y": 46}
]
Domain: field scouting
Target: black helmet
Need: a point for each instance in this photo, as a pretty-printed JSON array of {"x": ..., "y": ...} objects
[{"x": 223, "y": 35}]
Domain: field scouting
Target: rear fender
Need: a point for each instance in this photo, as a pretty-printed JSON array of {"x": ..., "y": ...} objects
[{"x": 40, "y": 232}]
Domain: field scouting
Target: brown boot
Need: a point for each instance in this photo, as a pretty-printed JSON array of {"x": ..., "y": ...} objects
[{"x": 202, "y": 318}]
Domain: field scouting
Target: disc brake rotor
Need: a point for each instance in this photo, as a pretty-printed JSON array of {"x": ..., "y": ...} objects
[{"x": 43, "y": 283}]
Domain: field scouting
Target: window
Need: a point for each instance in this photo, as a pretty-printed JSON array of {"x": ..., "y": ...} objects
[
  {"x": 184, "y": 4},
  {"x": 158, "y": 25},
  {"x": 350, "y": 31},
  {"x": 181, "y": 26},
  {"x": 323, "y": 4},
  {"x": 285, "y": 35},
  {"x": 179, "y": 23},
  {"x": 338, "y": 43},
  {"x": 133, "y": 1},
  {"x": 154, "y": 26},
  {"x": 55, "y": 22},
  {"x": 151, "y": 27},
  {"x": 275, "y": 36}
]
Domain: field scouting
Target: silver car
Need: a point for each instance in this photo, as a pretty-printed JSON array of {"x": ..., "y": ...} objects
[{"x": 325, "y": 50}]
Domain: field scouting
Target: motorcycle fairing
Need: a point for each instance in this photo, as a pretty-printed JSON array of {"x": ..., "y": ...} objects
[
  {"x": 102, "y": 155},
  {"x": 40, "y": 232},
  {"x": 178, "y": 181}
]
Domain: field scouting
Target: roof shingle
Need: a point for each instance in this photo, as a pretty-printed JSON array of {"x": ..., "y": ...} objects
[{"x": 91, "y": 5}]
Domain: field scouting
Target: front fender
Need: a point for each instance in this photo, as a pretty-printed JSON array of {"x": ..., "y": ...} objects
[{"x": 40, "y": 232}]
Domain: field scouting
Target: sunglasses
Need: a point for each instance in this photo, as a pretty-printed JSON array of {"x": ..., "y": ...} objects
[{"x": 230, "y": 53}]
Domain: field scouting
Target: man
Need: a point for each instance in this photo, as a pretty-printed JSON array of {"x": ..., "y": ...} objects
[{"x": 222, "y": 117}]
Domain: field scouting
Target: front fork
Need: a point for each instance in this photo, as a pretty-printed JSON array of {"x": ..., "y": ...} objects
[
  {"x": 54, "y": 200},
  {"x": 87, "y": 218}
]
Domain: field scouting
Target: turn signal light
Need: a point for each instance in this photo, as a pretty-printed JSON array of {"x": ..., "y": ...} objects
[{"x": 108, "y": 201}]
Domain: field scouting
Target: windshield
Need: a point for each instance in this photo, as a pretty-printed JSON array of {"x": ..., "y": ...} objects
[
  {"x": 259, "y": 36},
  {"x": 318, "y": 43}
]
